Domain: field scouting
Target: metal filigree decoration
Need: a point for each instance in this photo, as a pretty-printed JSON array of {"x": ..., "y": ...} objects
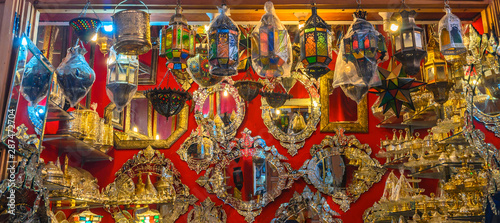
[
  {"x": 199, "y": 150},
  {"x": 28, "y": 144},
  {"x": 306, "y": 205},
  {"x": 129, "y": 189},
  {"x": 368, "y": 172},
  {"x": 218, "y": 129},
  {"x": 214, "y": 179},
  {"x": 293, "y": 140},
  {"x": 207, "y": 212}
]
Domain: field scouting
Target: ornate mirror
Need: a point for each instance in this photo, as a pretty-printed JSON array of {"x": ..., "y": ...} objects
[
  {"x": 141, "y": 127},
  {"x": 296, "y": 120},
  {"x": 207, "y": 212},
  {"x": 306, "y": 207},
  {"x": 250, "y": 176},
  {"x": 220, "y": 109},
  {"x": 339, "y": 111},
  {"x": 199, "y": 150},
  {"x": 149, "y": 178},
  {"x": 148, "y": 67},
  {"x": 332, "y": 159}
]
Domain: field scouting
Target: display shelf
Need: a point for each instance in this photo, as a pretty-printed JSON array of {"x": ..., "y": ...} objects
[
  {"x": 54, "y": 186},
  {"x": 478, "y": 218},
  {"x": 456, "y": 139},
  {"x": 57, "y": 113},
  {"x": 69, "y": 144},
  {"x": 66, "y": 202},
  {"x": 397, "y": 163},
  {"x": 424, "y": 119},
  {"x": 442, "y": 170}
]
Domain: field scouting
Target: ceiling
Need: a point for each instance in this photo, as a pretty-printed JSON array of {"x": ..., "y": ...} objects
[{"x": 339, "y": 12}]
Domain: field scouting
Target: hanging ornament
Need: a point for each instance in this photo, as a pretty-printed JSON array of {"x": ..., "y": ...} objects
[
  {"x": 409, "y": 42},
  {"x": 198, "y": 66},
  {"x": 272, "y": 56},
  {"x": 177, "y": 41},
  {"x": 245, "y": 47},
  {"x": 395, "y": 90},
  {"x": 316, "y": 45},
  {"x": 450, "y": 34},
  {"x": 86, "y": 28},
  {"x": 36, "y": 81},
  {"x": 288, "y": 82},
  {"x": 183, "y": 78},
  {"x": 248, "y": 89},
  {"x": 274, "y": 97},
  {"x": 436, "y": 72},
  {"x": 74, "y": 75},
  {"x": 224, "y": 38},
  {"x": 166, "y": 101},
  {"x": 85, "y": 216},
  {"x": 122, "y": 78},
  {"x": 356, "y": 66},
  {"x": 132, "y": 31}
]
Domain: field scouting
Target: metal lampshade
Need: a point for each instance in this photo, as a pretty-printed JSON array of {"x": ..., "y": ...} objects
[
  {"x": 248, "y": 89},
  {"x": 85, "y": 28},
  {"x": 450, "y": 34},
  {"x": 275, "y": 99},
  {"x": 409, "y": 42},
  {"x": 166, "y": 101}
]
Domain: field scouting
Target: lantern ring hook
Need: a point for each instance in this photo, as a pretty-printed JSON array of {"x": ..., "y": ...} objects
[
  {"x": 447, "y": 3},
  {"x": 403, "y": 5}
]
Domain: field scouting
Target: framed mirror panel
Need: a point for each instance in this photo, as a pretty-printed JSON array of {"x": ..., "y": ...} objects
[{"x": 199, "y": 150}]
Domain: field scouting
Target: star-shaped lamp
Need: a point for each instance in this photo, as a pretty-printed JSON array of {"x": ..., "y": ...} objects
[{"x": 395, "y": 90}]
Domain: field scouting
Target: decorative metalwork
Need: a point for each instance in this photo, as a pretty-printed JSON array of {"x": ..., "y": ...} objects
[
  {"x": 275, "y": 99},
  {"x": 217, "y": 129},
  {"x": 290, "y": 138},
  {"x": 183, "y": 78},
  {"x": 122, "y": 80},
  {"x": 368, "y": 172},
  {"x": 312, "y": 204},
  {"x": 248, "y": 89},
  {"x": 409, "y": 41},
  {"x": 247, "y": 146},
  {"x": 199, "y": 150},
  {"x": 207, "y": 212},
  {"x": 167, "y": 102},
  {"x": 436, "y": 72},
  {"x": 132, "y": 30}
]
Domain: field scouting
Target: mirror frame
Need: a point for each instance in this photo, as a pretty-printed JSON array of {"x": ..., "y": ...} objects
[
  {"x": 289, "y": 141},
  {"x": 151, "y": 69},
  {"x": 199, "y": 165},
  {"x": 213, "y": 180},
  {"x": 491, "y": 122},
  {"x": 127, "y": 126},
  {"x": 108, "y": 114},
  {"x": 358, "y": 155},
  {"x": 358, "y": 126},
  {"x": 310, "y": 201}
]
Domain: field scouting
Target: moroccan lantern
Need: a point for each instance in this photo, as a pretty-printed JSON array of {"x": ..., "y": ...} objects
[
  {"x": 167, "y": 101},
  {"x": 275, "y": 99},
  {"x": 122, "y": 78},
  {"x": 86, "y": 28},
  {"x": 450, "y": 34},
  {"x": 198, "y": 66},
  {"x": 224, "y": 38},
  {"x": 132, "y": 30},
  {"x": 272, "y": 56},
  {"x": 436, "y": 72},
  {"x": 85, "y": 217},
  {"x": 409, "y": 42},
  {"x": 177, "y": 41},
  {"x": 316, "y": 45},
  {"x": 149, "y": 216}
]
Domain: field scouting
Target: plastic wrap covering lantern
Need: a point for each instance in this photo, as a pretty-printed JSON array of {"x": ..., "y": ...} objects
[
  {"x": 86, "y": 28},
  {"x": 166, "y": 101},
  {"x": 74, "y": 75},
  {"x": 450, "y": 34},
  {"x": 224, "y": 38},
  {"x": 316, "y": 45},
  {"x": 272, "y": 55},
  {"x": 122, "y": 78},
  {"x": 132, "y": 31},
  {"x": 36, "y": 81},
  {"x": 361, "y": 50},
  {"x": 436, "y": 72},
  {"x": 85, "y": 217},
  {"x": 177, "y": 41},
  {"x": 198, "y": 66},
  {"x": 409, "y": 42}
]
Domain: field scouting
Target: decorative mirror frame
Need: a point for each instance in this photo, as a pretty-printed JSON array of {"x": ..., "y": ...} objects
[
  {"x": 152, "y": 69},
  {"x": 358, "y": 155},
  {"x": 128, "y": 128},
  {"x": 199, "y": 165},
  {"x": 289, "y": 141},
  {"x": 108, "y": 114},
  {"x": 207, "y": 212},
  {"x": 199, "y": 97},
  {"x": 491, "y": 122},
  {"x": 306, "y": 201},
  {"x": 358, "y": 126},
  {"x": 214, "y": 177}
]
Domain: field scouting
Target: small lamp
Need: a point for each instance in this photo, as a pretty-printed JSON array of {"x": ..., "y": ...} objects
[
  {"x": 85, "y": 217},
  {"x": 409, "y": 42},
  {"x": 436, "y": 72},
  {"x": 450, "y": 34},
  {"x": 149, "y": 216}
]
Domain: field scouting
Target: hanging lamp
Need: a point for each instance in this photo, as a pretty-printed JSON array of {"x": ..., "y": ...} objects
[
  {"x": 248, "y": 89},
  {"x": 86, "y": 28},
  {"x": 167, "y": 101},
  {"x": 450, "y": 34},
  {"x": 198, "y": 66}
]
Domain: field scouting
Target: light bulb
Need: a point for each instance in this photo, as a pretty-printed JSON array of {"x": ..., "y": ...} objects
[
  {"x": 24, "y": 42},
  {"x": 206, "y": 28},
  {"x": 135, "y": 129},
  {"x": 278, "y": 111},
  {"x": 108, "y": 28},
  {"x": 225, "y": 93},
  {"x": 157, "y": 137},
  {"x": 394, "y": 27},
  {"x": 94, "y": 38}
]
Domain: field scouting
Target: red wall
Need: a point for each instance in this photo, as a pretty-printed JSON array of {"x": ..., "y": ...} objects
[{"x": 104, "y": 170}]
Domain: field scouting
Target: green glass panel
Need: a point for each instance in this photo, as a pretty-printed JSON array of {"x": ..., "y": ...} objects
[
  {"x": 321, "y": 44},
  {"x": 311, "y": 59}
]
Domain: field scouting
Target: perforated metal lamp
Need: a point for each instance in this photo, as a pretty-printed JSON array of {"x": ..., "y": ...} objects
[
  {"x": 436, "y": 72},
  {"x": 248, "y": 89},
  {"x": 316, "y": 45},
  {"x": 177, "y": 41},
  {"x": 450, "y": 34},
  {"x": 409, "y": 42},
  {"x": 275, "y": 99}
]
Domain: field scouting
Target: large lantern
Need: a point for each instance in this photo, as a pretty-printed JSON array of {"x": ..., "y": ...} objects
[
  {"x": 272, "y": 56},
  {"x": 409, "y": 42},
  {"x": 224, "y": 38},
  {"x": 122, "y": 78},
  {"x": 132, "y": 31},
  {"x": 436, "y": 72},
  {"x": 316, "y": 45},
  {"x": 450, "y": 34},
  {"x": 177, "y": 41}
]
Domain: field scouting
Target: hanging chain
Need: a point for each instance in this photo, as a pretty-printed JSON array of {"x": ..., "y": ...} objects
[
  {"x": 403, "y": 5},
  {"x": 447, "y": 3},
  {"x": 85, "y": 8},
  {"x": 359, "y": 5},
  {"x": 178, "y": 2}
]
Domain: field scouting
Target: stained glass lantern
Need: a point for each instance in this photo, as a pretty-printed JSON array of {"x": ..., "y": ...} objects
[
  {"x": 166, "y": 101},
  {"x": 248, "y": 89},
  {"x": 149, "y": 216},
  {"x": 245, "y": 47},
  {"x": 275, "y": 99},
  {"x": 198, "y": 66},
  {"x": 316, "y": 45},
  {"x": 177, "y": 41},
  {"x": 409, "y": 43},
  {"x": 224, "y": 38},
  {"x": 85, "y": 28},
  {"x": 272, "y": 56},
  {"x": 85, "y": 217},
  {"x": 450, "y": 34},
  {"x": 122, "y": 78},
  {"x": 436, "y": 72}
]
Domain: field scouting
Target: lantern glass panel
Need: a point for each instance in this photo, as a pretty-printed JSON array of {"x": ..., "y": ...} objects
[
  {"x": 311, "y": 45},
  {"x": 430, "y": 74},
  {"x": 223, "y": 44},
  {"x": 322, "y": 44},
  {"x": 441, "y": 73},
  {"x": 418, "y": 40},
  {"x": 397, "y": 40},
  {"x": 264, "y": 49},
  {"x": 168, "y": 39},
  {"x": 408, "y": 39},
  {"x": 185, "y": 39}
]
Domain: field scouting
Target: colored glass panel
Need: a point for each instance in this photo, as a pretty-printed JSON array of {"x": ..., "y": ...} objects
[
  {"x": 322, "y": 44},
  {"x": 168, "y": 38},
  {"x": 263, "y": 44},
  {"x": 310, "y": 45},
  {"x": 212, "y": 54},
  {"x": 222, "y": 45},
  {"x": 233, "y": 47},
  {"x": 311, "y": 59},
  {"x": 185, "y": 38}
]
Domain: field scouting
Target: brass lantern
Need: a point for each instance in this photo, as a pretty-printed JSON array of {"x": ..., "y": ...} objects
[
  {"x": 409, "y": 42},
  {"x": 177, "y": 41},
  {"x": 316, "y": 45},
  {"x": 436, "y": 72},
  {"x": 450, "y": 34},
  {"x": 224, "y": 41}
]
